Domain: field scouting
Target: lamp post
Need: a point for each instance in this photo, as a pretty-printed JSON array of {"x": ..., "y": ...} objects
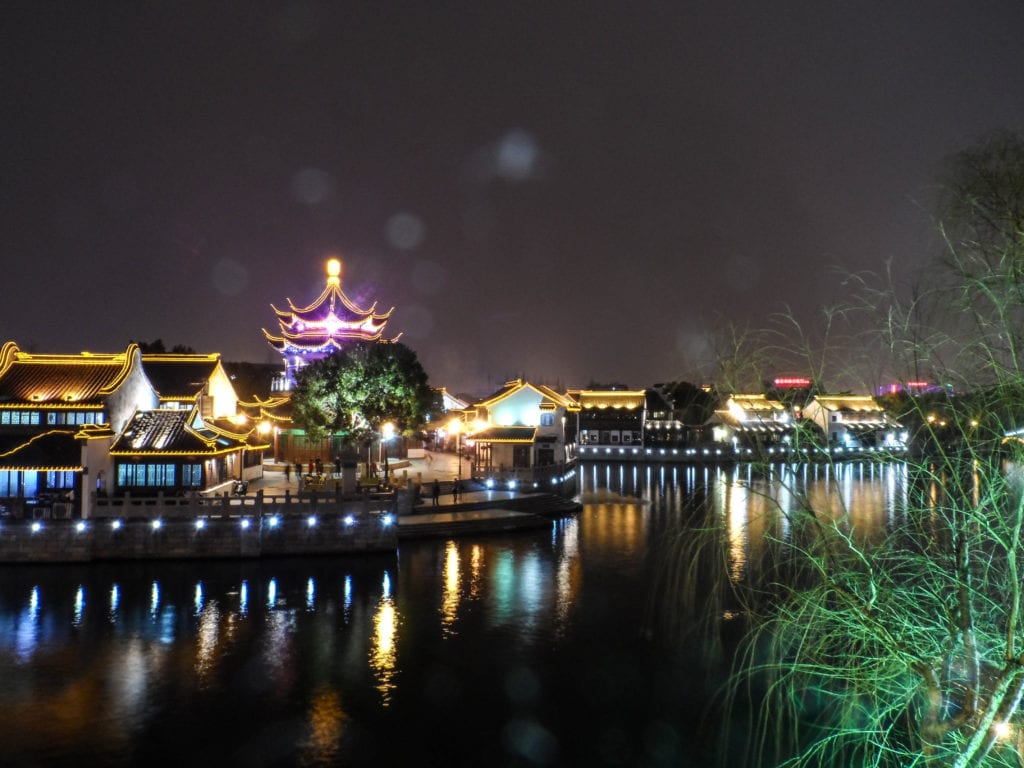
[
  {"x": 387, "y": 430},
  {"x": 455, "y": 427}
]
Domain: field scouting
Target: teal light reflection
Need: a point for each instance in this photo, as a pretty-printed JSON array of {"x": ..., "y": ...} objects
[
  {"x": 27, "y": 633},
  {"x": 115, "y": 601},
  {"x": 504, "y": 585},
  {"x": 79, "y": 606}
]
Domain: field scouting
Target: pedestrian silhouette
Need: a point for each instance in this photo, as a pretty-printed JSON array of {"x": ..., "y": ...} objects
[{"x": 435, "y": 492}]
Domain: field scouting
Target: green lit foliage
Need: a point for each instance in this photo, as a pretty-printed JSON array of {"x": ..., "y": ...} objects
[
  {"x": 906, "y": 648},
  {"x": 354, "y": 391}
]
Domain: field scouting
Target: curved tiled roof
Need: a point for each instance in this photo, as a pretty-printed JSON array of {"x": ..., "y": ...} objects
[
  {"x": 325, "y": 324},
  {"x": 82, "y": 380},
  {"x": 56, "y": 450},
  {"x": 179, "y": 377},
  {"x": 179, "y": 431},
  {"x": 506, "y": 434}
]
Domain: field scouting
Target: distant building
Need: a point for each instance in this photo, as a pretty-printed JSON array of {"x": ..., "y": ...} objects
[
  {"x": 325, "y": 326},
  {"x": 611, "y": 417},
  {"x": 678, "y": 415},
  {"x": 909, "y": 388},
  {"x": 752, "y": 420},
  {"x": 852, "y": 421}
]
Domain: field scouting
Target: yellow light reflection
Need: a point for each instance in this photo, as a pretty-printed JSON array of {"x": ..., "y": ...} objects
[
  {"x": 383, "y": 655},
  {"x": 207, "y": 639},
  {"x": 476, "y": 570},
  {"x": 326, "y": 726},
  {"x": 736, "y": 511},
  {"x": 451, "y": 593},
  {"x": 568, "y": 576}
]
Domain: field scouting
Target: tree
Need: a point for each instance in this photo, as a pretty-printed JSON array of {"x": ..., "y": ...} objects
[
  {"x": 353, "y": 392},
  {"x": 157, "y": 347},
  {"x": 908, "y": 649}
]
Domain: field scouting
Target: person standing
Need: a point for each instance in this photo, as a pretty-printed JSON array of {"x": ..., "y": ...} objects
[
  {"x": 287, "y": 472},
  {"x": 435, "y": 492},
  {"x": 456, "y": 490}
]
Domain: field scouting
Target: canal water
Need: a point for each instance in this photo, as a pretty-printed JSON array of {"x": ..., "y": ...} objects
[{"x": 573, "y": 646}]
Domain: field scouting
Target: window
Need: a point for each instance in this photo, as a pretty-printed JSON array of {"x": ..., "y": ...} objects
[
  {"x": 60, "y": 479},
  {"x": 8, "y": 484},
  {"x": 192, "y": 475},
  {"x": 547, "y": 419},
  {"x": 19, "y": 417},
  {"x": 145, "y": 475},
  {"x": 74, "y": 417}
]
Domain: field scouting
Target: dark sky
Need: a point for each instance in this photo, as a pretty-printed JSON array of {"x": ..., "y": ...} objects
[{"x": 570, "y": 191}]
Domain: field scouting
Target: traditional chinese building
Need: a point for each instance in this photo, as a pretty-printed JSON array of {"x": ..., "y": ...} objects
[
  {"x": 521, "y": 432},
  {"x": 315, "y": 331},
  {"x": 611, "y": 417},
  {"x": 752, "y": 420},
  {"x": 853, "y": 421},
  {"x": 186, "y": 380},
  {"x": 76, "y": 427},
  {"x": 57, "y": 415}
]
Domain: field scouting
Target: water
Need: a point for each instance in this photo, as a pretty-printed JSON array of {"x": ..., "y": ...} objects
[{"x": 567, "y": 647}]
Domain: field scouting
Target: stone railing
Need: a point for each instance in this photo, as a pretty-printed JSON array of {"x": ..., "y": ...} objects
[{"x": 153, "y": 528}]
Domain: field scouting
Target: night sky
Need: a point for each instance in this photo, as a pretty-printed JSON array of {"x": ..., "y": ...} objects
[{"x": 574, "y": 192}]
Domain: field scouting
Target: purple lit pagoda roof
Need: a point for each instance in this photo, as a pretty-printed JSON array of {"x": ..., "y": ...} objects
[{"x": 327, "y": 323}]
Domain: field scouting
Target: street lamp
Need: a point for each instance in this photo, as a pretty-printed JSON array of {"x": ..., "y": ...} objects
[
  {"x": 455, "y": 428},
  {"x": 387, "y": 431}
]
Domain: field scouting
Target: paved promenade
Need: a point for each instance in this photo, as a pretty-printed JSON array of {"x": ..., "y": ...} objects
[{"x": 444, "y": 467}]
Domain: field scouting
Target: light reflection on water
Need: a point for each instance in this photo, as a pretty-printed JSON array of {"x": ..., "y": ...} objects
[
  {"x": 383, "y": 650},
  {"x": 538, "y": 641}
]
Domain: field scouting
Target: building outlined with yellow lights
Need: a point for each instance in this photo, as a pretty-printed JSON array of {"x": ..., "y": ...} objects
[
  {"x": 521, "y": 430},
  {"x": 76, "y": 427}
]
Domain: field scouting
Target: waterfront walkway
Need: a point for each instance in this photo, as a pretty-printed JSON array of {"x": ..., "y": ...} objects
[
  {"x": 443, "y": 467},
  {"x": 477, "y": 510}
]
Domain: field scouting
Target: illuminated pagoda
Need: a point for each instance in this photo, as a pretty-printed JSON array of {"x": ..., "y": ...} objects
[{"x": 314, "y": 332}]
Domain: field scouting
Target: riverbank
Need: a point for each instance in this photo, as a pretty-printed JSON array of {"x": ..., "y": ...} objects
[{"x": 273, "y": 519}]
